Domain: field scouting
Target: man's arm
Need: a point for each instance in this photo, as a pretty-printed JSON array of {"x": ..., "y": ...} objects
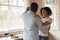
[{"x": 27, "y": 9}]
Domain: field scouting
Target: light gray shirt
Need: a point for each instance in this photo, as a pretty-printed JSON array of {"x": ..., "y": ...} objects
[{"x": 31, "y": 26}]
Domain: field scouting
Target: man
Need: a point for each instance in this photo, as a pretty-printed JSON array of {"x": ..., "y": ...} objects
[{"x": 32, "y": 24}]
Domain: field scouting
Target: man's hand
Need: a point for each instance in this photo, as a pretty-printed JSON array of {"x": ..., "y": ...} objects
[{"x": 27, "y": 9}]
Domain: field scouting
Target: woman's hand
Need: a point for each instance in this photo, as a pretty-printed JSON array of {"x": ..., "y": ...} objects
[{"x": 46, "y": 23}]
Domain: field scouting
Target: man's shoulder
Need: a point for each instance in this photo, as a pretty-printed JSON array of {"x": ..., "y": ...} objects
[
  {"x": 30, "y": 12},
  {"x": 37, "y": 16}
]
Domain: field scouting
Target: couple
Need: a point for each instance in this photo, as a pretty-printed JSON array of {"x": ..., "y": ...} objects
[{"x": 33, "y": 23}]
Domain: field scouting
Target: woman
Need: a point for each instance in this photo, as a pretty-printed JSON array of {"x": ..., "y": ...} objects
[{"x": 46, "y": 22}]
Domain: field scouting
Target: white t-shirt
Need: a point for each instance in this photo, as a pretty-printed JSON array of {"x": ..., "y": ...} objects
[{"x": 45, "y": 26}]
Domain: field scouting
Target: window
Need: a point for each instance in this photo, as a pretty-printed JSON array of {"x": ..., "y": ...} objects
[
  {"x": 13, "y": 2},
  {"x": 4, "y": 2},
  {"x": 52, "y": 5},
  {"x": 10, "y": 12}
]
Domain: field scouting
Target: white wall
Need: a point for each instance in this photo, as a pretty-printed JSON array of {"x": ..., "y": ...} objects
[
  {"x": 58, "y": 13},
  {"x": 39, "y": 2}
]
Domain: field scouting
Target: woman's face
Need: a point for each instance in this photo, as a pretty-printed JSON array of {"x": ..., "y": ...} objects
[{"x": 44, "y": 13}]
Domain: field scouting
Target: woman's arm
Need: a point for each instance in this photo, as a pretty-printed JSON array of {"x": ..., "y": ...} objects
[{"x": 46, "y": 23}]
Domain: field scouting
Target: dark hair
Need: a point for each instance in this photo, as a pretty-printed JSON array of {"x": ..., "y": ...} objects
[
  {"x": 47, "y": 9},
  {"x": 34, "y": 7}
]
